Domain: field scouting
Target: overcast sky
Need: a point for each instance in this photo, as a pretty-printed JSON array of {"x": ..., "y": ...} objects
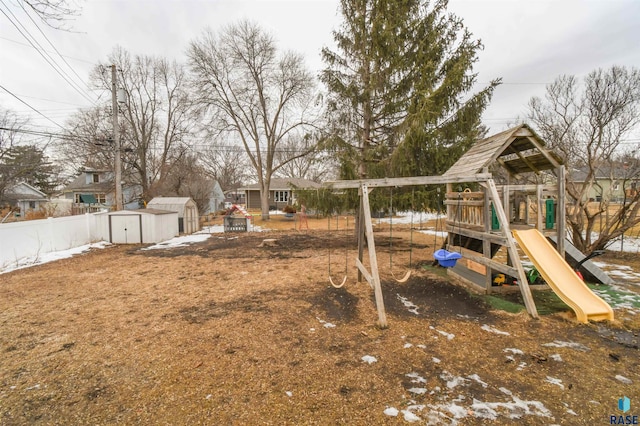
[{"x": 527, "y": 42}]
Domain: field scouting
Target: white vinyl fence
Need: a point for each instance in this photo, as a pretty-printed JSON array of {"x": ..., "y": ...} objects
[{"x": 31, "y": 238}]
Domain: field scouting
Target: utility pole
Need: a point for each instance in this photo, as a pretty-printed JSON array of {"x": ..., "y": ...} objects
[{"x": 116, "y": 139}]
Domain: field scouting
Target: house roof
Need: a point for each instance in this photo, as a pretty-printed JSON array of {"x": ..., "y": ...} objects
[
  {"x": 279, "y": 184},
  {"x": 518, "y": 150},
  {"x": 79, "y": 184},
  {"x": 24, "y": 191},
  {"x": 616, "y": 171}
]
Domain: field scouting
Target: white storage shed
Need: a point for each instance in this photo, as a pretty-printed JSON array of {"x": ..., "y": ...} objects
[
  {"x": 142, "y": 226},
  {"x": 188, "y": 219}
]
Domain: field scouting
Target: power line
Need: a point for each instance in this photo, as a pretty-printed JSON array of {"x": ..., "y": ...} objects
[
  {"x": 51, "y": 44},
  {"x": 50, "y": 100},
  {"x": 39, "y": 113},
  {"x": 40, "y": 51},
  {"x": 28, "y": 45}
]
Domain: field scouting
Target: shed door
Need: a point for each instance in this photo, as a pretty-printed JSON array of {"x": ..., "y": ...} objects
[
  {"x": 125, "y": 229},
  {"x": 190, "y": 219}
]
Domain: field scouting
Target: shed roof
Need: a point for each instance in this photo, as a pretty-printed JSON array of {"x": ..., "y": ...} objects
[
  {"x": 176, "y": 204},
  {"x": 155, "y": 212},
  {"x": 518, "y": 150}
]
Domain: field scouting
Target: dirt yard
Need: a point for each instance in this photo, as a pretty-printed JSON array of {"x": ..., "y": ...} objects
[{"x": 227, "y": 332}]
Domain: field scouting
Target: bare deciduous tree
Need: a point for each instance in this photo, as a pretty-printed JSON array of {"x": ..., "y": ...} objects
[
  {"x": 55, "y": 13},
  {"x": 253, "y": 94},
  {"x": 316, "y": 165},
  {"x": 228, "y": 164},
  {"x": 156, "y": 118},
  {"x": 587, "y": 125},
  {"x": 189, "y": 179}
]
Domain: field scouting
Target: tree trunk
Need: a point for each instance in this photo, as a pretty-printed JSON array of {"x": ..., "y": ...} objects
[{"x": 264, "y": 198}]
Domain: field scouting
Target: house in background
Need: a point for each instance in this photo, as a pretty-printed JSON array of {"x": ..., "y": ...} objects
[
  {"x": 216, "y": 199},
  {"x": 281, "y": 192},
  {"x": 610, "y": 183},
  {"x": 24, "y": 198},
  {"x": 93, "y": 190}
]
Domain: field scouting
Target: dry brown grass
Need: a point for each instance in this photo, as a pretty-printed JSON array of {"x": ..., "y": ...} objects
[{"x": 218, "y": 333}]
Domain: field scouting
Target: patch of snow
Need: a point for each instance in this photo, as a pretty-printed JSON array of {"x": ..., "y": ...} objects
[
  {"x": 513, "y": 351},
  {"x": 289, "y": 394},
  {"x": 436, "y": 360},
  {"x": 491, "y": 329},
  {"x": 409, "y": 415},
  {"x": 40, "y": 259},
  {"x": 416, "y": 378},
  {"x": 453, "y": 381},
  {"x": 179, "y": 242},
  {"x": 418, "y": 391},
  {"x": 391, "y": 411},
  {"x": 213, "y": 229},
  {"x": 447, "y": 335},
  {"x": 369, "y": 359},
  {"x": 407, "y": 345},
  {"x": 412, "y": 217},
  {"x": 521, "y": 366},
  {"x": 624, "y": 380},
  {"x": 209, "y": 396},
  {"x": 408, "y": 304},
  {"x": 422, "y": 346},
  {"x": 555, "y": 381},
  {"x": 572, "y": 345},
  {"x": 556, "y": 357},
  {"x": 476, "y": 378},
  {"x": 326, "y": 324}
]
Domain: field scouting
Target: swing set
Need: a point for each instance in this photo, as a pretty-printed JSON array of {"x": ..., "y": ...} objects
[
  {"x": 365, "y": 228},
  {"x": 346, "y": 253}
]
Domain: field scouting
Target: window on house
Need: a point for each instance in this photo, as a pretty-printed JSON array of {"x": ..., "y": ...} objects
[
  {"x": 32, "y": 204},
  {"x": 616, "y": 186},
  {"x": 96, "y": 178},
  {"x": 76, "y": 199},
  {"x": 281, "y": 196},
  {"x": 101, "y": 198}
]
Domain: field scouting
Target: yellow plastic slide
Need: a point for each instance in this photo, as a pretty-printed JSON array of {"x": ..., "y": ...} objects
[{"x": 562, "y": 278}]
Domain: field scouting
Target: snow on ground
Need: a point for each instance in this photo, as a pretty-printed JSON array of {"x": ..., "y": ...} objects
[
  {"x": 39, "y": 259},
  {"x": 182, "y": 241},
  {"x": 410, "y": 217},
  {"x": 562, "y": 344},
  {"x": 411, "y": 307},
  {"x": 455, "y": 406},
  {"x": 490, "y": 329},
  {"x": 369, "y": 359}
]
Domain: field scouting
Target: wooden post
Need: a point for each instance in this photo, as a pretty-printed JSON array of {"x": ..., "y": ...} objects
[
  {"x": 486, "y": 244},
  {"x": 561, "y": 212},
  {"x": 373, "y": 260},
  {"x": 512, "y": 251},
  {"x": 540, "y": 205},
  {"x": 360, "y": 231}
]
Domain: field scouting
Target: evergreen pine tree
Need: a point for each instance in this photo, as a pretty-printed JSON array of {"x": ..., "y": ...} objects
[{"x": 400, "y": 85}]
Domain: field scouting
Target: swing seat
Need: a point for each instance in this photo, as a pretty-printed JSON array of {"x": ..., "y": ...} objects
[{"x": 445, "y": 258}]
